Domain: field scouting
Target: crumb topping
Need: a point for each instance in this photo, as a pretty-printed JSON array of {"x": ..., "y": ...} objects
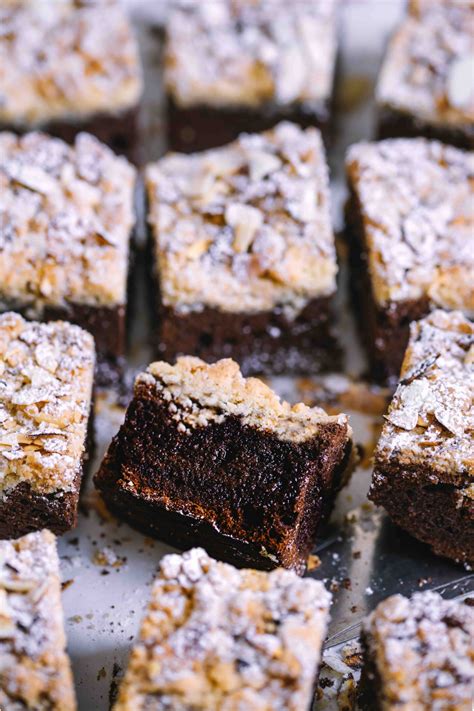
[
  {"x": 66, "y": 214},
  {"x": 430, "y": 422},
  {"x": 416, "y": 199},
  {"x": 251, "y": 52},
  {"x": 200, "y": 394},
  {"x": 218, "y": 638},
  {"x": 35, "y": 670},
  {"x": 46, "y": 376},
  {"x": 246, "y": 227},
  {"x": 429, "y": 65},
  {"x": 423, "y": 651},
  {"x": 66, "y": 60}
]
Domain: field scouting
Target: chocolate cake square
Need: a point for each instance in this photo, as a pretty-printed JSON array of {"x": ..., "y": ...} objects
[
  {"x": 35, "y": 669},
  {"x": 208, "y": 457},
  {"x": 70, "y": 66},
  {"x": 419, "y": 654},
  {"x": 243, "y": 251},
  {"x": 66, "y": 217},
  {"x": 426, "y": 82},
  {"x": 218, "y": 638},
  {"x": 409, "y": 228},
  {"x": 424, "y": 460},
  {"x": 238, "y": 65},
  {"x": 46, "y": 378}
]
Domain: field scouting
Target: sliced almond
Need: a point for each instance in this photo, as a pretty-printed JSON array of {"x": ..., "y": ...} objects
[
  {"x": 245, "y": 221},
  {"x": 198, "y": 248},
  {"x": 460, "y": 85},
  {"x": 261, "y": 164}
]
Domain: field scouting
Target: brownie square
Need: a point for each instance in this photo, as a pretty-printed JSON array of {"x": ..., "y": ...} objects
[
  {"x": 208, "y": 457},
  {"x": 243, "y": 251},
  {"x": 424, "y": 460},
  {"x": 66, "y": 222},
  {"x": 35, "y": 669},
  {"x": 233, "y": 66},
  {"x": 418, "y": 654},
  {"x": 426, "y": 82},
  {"x": 70, "y": 66},
  {"x": 218, "y": 638},
  {"x": 46, "y": 378},
  {"x": 409, "y": 227}
]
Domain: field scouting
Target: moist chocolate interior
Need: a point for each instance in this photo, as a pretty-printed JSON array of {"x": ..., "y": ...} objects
[
  {"x": 119, "y": 131},
  {"x": 241, "y": 492},
  {"x": 25, "y": 510},
  {"x": 393, "y": 123},
  {"x": 199, "y": 128},
  {"x": 385, "y": 331},
  {"x": 432, "y": 513}
]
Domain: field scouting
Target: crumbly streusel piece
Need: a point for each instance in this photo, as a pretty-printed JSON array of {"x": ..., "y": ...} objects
[
  {"x": 244, "y": 231},
  {"x": 425, "y": 86},
  {"x": 222, "y": 639},
  {"x": 46, "y": 379},
  {"x": 66, "y": 60},
  {"x": 419, "y": 654},
  {"x": 410, "y": 228},
  {"x": 35, "y": 673},
  {"x": 424, "y": 461}
]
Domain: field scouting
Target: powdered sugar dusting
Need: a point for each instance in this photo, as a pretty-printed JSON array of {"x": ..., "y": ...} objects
[
  {"x": 219, "y": 638},
  {"x": 249, "y": 53},
  {"x": 66, "y": 214},
  {"x": 245, "y": 227},
  {"x": 423, "y": 651},
  {"x": 65, "y": 59},
  {"x": 416, "y": 199},
  {"x": 35, "y": 671},
  {"x": 428, "y": 68},
  {"x": 46, "y": 377},
  {"x": 430, "y": 421}
]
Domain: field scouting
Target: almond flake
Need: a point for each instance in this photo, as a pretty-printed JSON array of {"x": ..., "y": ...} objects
[
  {"x": 245, "y": 220},
  {"x": 261, "y": 164},
  {"x": 460, "y": 85}
]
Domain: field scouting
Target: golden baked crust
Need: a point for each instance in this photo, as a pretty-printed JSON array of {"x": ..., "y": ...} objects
[
  {"x": 66, "y": 60},
  {"x": 415, "y": 198},
  {"x": 220, "y": 639},
  {"x": 200, "y": 393},
  {"x": 66, "y": 214},
  {"x": 244, "y": 228},
  {"x": 423, "y": 653},
  {"x": 429, "y": 64},
  {"x": 251, "y": 52},
  {"x": 35, "y": 670},
  {"x": 46, "y": 378},
  {"x": 430, "y": 421}
]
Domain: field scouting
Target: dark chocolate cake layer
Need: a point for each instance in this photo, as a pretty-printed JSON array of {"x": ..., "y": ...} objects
[
  {"x": 393, "y": 123},
  {"x": 120, "y": 132},
  {"x": 249, "y": 494},
  {"x": 267, "y": 342},
  {"x": 199, "y": 128}
]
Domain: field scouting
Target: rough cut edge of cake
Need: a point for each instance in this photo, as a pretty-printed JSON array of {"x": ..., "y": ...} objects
[{"x": 201, "y": 393}]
